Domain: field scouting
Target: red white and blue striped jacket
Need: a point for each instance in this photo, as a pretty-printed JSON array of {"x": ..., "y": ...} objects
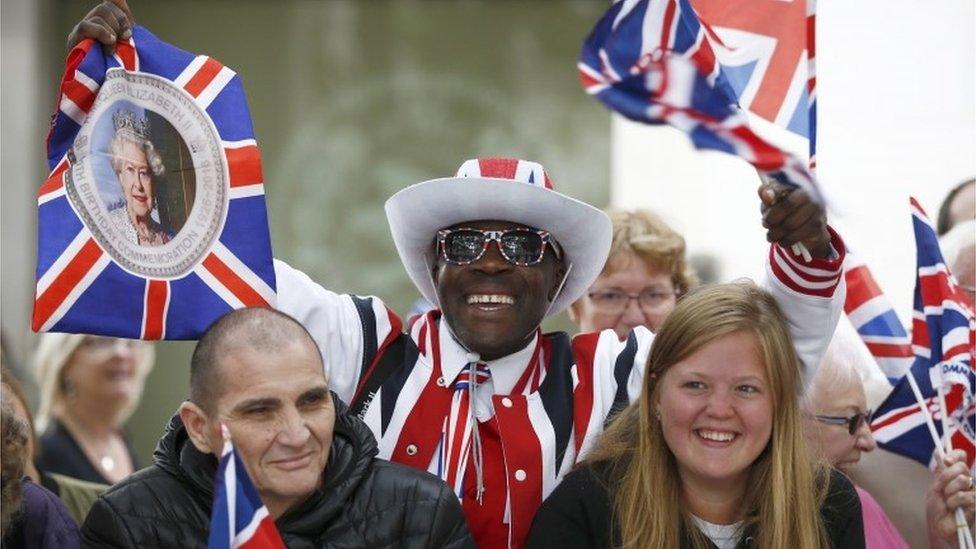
[{"x": 551, "y": 400}]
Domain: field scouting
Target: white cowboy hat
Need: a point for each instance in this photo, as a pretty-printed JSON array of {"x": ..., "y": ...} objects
[{"x": 502, "y": 189}]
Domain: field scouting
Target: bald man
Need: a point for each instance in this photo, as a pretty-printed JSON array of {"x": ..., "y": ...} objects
[{"x": 258, "y": 372}]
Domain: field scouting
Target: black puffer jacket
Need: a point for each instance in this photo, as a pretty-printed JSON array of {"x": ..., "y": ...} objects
[{"x": 363, "y": 502}]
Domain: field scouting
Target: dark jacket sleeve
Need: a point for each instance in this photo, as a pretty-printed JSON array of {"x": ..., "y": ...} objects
[
  {"x": 104, "y": 528},
  {"x": 44, "y": 521},
  {"x": 576, "y": 514},
  {"x": 448, "y": 526},
  {"x": 842, "y": 514}
]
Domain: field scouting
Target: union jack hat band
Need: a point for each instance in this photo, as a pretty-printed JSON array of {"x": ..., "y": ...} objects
[{"x": 500, "y": 189}]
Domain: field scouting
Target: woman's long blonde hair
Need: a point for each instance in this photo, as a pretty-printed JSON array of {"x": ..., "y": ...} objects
[{"x": 786, "y": 486}]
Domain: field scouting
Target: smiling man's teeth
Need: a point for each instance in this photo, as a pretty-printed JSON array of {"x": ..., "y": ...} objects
[
  {"x": 490, "y": 298},
  {"x": 717, "y": 436}
]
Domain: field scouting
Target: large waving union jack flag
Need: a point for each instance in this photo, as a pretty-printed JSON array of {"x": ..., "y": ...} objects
[
  {"x": 653, "y": 61},
  {"x": 766, "y": 49},
  {"x": 152, "y": 221},
  {"x": 944, "y": 343}
]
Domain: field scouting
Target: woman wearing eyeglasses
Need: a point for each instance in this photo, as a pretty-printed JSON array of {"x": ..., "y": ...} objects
[
  {"x": 644, "y": 276},
  {"x": 90, "y": 385},
  {"x": 837, "y": 424}
]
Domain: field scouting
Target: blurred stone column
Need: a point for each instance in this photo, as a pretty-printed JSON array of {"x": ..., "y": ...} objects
[{"x": 21, "y": 165}]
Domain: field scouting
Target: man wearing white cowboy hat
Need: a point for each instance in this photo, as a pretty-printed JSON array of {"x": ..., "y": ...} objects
[{"x": 474, "y": 392}]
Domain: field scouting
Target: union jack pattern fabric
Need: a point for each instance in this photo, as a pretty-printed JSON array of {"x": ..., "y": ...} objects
[
  {"x": 547, "y": 404},
  {"x": 512, "y": 169},
  {"x": 944, "y": 342},
  {"x": 875, "y": 319},
  {"x": 85, "y": 285},
  {"x": 456, "y": 442},
  {"x": 653, "y": 61},
  {"x": 767, "y": 51},
  {"x": 239, "y": 519}
]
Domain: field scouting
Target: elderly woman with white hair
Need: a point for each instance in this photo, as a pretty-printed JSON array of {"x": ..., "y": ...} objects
[
  {"x": 838, "y": 428},
  {"x": 959, "y": 251},
  {"x": 90, "y": 385}
]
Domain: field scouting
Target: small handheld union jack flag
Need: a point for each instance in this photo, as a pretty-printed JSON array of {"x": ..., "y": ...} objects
[
  {"x": 652, "y": 61},
  {"x": 875, "y": 319},
  {"x": 944, "y": 342},
  {"x": 239, "y": 519},
  {"x": 152, "y": 221}
]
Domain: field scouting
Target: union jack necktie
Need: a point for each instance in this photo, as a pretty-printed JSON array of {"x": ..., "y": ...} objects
[{"x": 459, "y": 433}]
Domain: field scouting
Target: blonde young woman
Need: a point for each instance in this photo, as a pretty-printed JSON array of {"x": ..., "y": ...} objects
[
  {"x": 644, "y": 276},
  {"x": 90, "y": 385},
  {"x": 713, "y": 453}
]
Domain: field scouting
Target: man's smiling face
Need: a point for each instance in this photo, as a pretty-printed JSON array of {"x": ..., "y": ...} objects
[
  {"x": 492, "y": 306},
  {"x": 281, "y": 417}
]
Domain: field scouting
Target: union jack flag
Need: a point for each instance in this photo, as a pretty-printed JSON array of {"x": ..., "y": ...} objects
[
  {"x": 944, "y": 342},
  {"x": 766, "y": 49},
  {"x": 84, "y": 284},
  {"x": 875, "y": 319},
  {"x": 653, "y": 61},
  {"x": 239, "y": 519}
]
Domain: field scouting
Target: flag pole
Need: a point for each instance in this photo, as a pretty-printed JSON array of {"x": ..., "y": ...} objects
[
  {"x": 962, "y": 525},
  {"x": 963, "y": 534},
  {"x": 926, "y": 414},
  {"x": 800, "y": 249}
]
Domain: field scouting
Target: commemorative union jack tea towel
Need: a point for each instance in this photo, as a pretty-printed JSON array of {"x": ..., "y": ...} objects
[{"x": 152, "y": 222}]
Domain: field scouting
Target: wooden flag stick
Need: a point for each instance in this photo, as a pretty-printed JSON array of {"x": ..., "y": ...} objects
[
  {"x": 962, "y": 525},
  {"x": 964, "y": 536},
  {"x": 800, "y": 249}
]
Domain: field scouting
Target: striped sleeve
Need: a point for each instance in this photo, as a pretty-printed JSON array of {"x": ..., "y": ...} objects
[
  {"x": 817, "y": 277},
  {"x": 811, "y": 296},
  {"x": 350, "y": 331}
]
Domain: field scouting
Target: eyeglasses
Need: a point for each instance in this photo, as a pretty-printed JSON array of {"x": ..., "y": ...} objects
[
  {"x": 853, "y": 423},
  {"x": 101, "y": 343},
  {"x": 521, "y": 247},
  {"x": 612, "y": 302}
]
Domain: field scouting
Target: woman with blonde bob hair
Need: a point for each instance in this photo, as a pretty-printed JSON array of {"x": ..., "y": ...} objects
[
  {"x": 713, "y": 452},
  {"x": 89, "y": 386},
  {"x": 645, "y": 274}
]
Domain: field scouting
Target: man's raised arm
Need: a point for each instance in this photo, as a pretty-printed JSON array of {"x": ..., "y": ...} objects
[
  {"x": 349, "y": 330},
  {"x": 810, "y": 291}
]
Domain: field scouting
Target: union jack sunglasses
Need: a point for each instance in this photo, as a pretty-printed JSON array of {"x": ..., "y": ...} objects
[{"x": 520, "y": 247}]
